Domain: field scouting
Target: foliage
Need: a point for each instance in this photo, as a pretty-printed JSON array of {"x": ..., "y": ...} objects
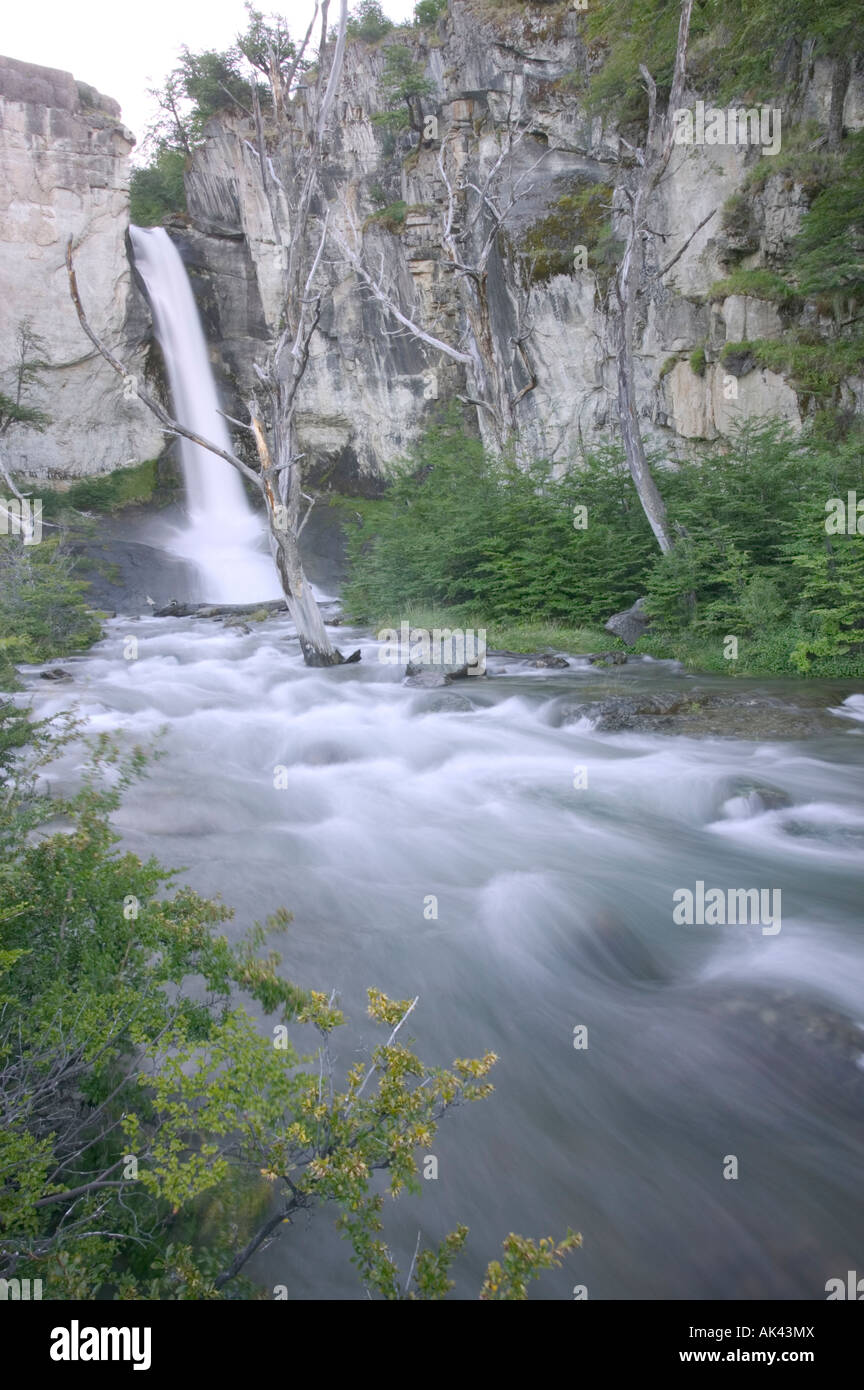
[
  {"x": 428, "y": 12},
  {"x": 267, "y": 45},
  {"x": 817, "y": 368},
  {"x": 157, "y": 190},
  {"x": 582, "y": 218},
  {"x": 42, "y": 606},
  {"x": 496, "y": 546},
  {"x": 756, "y": 560},
  {"x": 22, "y": 375},
  {"x": 392, "y": 217},
  {"x": 154, "y": 1132},
  {"x": 829, "y": 249},
  {"x": 758, "y": 284},
  {"x": 369, "y": 22},
  {"x": 698, "y": 361},
  {"x": 403, "y": 86},
  {"x": 459, "y": 528},
  {"x": 735, "y": 47},
  {"x": 123, "y": 487}
]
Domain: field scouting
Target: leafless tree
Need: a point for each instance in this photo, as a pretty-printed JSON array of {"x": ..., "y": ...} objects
[
  {"x": 475, "y": 214},
  {"x": 273, "y": 426},
  {"x": 638, "y": 186}
]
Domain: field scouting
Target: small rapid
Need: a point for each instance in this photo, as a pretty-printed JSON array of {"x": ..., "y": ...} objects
[{"x": 552, "y": 852}]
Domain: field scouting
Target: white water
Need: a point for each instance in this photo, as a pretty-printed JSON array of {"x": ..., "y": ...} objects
[
  {"x": 224, "y": 538},
  {"x": 554, "y": 909}
]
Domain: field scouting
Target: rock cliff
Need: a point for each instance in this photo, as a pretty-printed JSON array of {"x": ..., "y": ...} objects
[
  {"x": 368, "y": 391},
  {"x": 64, "y": 171}
]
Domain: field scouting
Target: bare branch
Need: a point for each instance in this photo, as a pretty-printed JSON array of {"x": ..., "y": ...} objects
[
  {"x": 678, "y": 254},
  {"x": 151, "y": 404}
]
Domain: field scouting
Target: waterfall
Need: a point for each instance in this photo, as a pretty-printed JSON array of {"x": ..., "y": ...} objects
[{"x": 223, "y": 537}]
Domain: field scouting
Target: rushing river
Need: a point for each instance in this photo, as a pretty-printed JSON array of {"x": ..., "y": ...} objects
[{"x": 554, "y": 911}]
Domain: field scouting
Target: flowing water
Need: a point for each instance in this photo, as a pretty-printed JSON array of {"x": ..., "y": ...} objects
[
  {"x": 553, "y": 853},
  {"x": 223, "y": 538},
  {"x": 554, "y": 910}
]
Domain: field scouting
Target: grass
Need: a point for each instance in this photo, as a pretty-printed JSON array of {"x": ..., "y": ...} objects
[
  {"x": 757, "y": 655},
  {"x": 125, "y": 487},
  {"x": 758, "y": 284},
  {"x": 815, "y": 368},
  {"x": 392, "y": 217},
  {"x": 512, "y": 635}
]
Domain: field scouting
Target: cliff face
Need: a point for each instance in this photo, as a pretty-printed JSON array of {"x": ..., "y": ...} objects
[
  {"x": 64, "y": 170},
  {"x": 368, "y": 391}
]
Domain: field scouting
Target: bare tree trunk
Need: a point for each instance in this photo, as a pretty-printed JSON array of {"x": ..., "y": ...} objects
[
  {"x": 839, "y": 85},
  {"x": 624, "y": 328},
  {"x": 651, "y": 164}
]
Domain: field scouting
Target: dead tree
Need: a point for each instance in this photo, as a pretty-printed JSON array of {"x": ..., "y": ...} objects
[
  {"x": 650, "y": 164},
  {"x": 279, "y": 476},
  {"x": 476, "y": 212}
]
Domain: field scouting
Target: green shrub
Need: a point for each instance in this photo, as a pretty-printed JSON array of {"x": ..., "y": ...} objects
[
  {"x": 43, "y": 612},
  {"x": 581, "y": 218},
  {"x": 698, "y": 361},
  {"x": 497, "y": 547},
  {"x": 122, "y": 488},
  {"x": 392, "y": 217},
  {"x": 369, "y": 22},
  {"x": 157, "y": 190},
  {"x": 758, "y": 284}
]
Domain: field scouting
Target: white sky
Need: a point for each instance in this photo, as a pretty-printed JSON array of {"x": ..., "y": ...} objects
[{"x": 123, "y": 49}]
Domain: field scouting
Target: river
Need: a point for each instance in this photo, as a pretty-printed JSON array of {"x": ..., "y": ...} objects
[{"x": 554, "y": 913}]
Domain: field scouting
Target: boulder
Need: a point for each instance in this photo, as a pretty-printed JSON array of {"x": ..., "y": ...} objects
[
  {"x": 631, "y": 624},
  {"x": 552, "y": 663}
]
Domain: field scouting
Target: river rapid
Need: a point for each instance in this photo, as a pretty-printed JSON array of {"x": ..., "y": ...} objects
[{"x": 553, "y": 851}]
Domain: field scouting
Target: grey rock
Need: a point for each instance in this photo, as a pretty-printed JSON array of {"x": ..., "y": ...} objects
[
  {"x": 629, "y": 625},
  {"x": 550, "y": 663},
  {"x": 445, "y": 703},
  {"x": 607, "y": 659},
  {"x": 697, "y": 714},
  {"x": 426, "y": 680}
]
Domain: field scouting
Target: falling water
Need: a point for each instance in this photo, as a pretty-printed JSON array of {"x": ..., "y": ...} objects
[{"x": 223, "y": 538}]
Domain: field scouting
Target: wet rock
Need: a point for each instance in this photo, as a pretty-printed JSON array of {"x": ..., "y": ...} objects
[
  {"x": 626, "y": 711},
  {"x": 607, "y": 658},
  {"x": 425, "y": 680},
  {"x": 697, "y": 713},
  {"x": 629, "y": 625},
  {"x": 56, "y": 673},
  {"x": 803, "y": 1040},
  {"x": 550, "y": 663},
  {"x": 445, "y": 703},
  {"x": 416, "y": 672},
  {"x": 752, "y": 799}
]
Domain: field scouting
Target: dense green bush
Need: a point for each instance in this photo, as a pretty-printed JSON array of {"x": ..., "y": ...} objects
[
  {"x": 43, "y": 610},
  {"x": 498, "y": 543},
  {"x": 157, "y": 190},
  {"x": 369, "y": 22}
]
